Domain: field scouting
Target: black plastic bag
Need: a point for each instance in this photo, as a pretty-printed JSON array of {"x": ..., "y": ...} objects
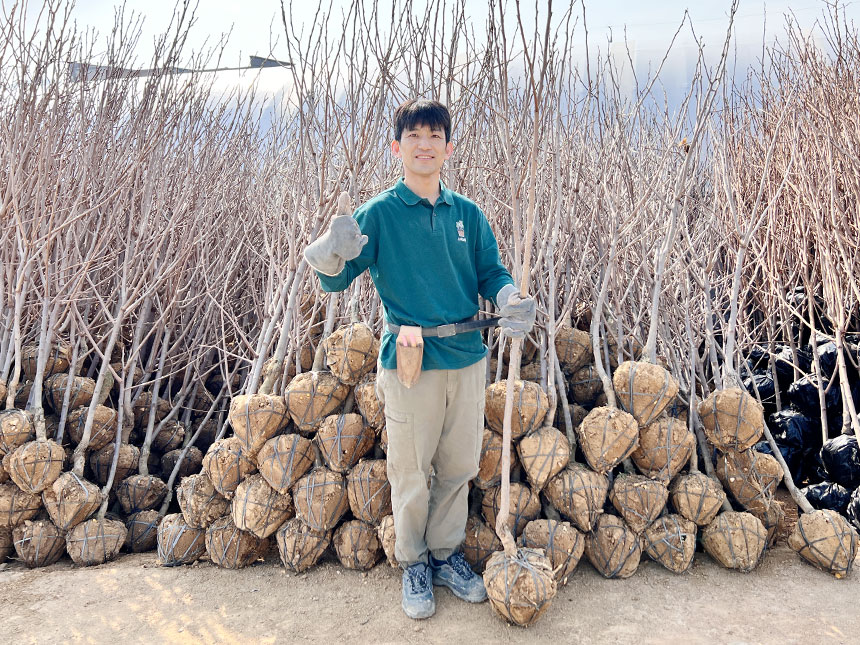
[
  {"x": 784, "y": 364},
  {"x": 828, "y": 496},
  {"x": 827, "y": 356},
  {"x": 757, "y": 358},
  {"x": 792, "y": 427},
  {"x": 803, "y": 394},
  {"x": 762, "y": 381},
  {"x": 853, "y": 510},
  {"x": 841, "y": 457}
]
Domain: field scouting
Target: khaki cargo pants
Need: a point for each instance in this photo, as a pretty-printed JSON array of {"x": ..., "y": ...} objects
[{"x": 437, "y": 423}]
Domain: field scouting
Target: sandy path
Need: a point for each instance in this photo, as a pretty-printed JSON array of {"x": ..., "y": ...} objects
[{"x": 135, "y": 600}]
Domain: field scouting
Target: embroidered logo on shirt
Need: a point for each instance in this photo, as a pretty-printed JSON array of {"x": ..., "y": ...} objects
[{"x": 461, "y": 232}]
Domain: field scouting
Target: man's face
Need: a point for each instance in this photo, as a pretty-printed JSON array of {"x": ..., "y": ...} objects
[{"x": 423, "y": 150}]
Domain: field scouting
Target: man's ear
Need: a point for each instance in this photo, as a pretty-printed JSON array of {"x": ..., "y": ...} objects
[
  {"x": 395, "y": 148},
  {"x": 449, "y": 150}
]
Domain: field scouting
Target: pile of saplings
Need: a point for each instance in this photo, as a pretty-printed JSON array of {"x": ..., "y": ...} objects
[
  {"x": 307, "y": 469},
  {"x": 84, "y": 479}
]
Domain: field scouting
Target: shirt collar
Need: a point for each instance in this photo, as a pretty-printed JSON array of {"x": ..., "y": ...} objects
[{"x": 411, "y": 199}]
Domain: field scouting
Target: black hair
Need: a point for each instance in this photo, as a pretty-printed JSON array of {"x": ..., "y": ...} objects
[{"x": 417, "y": 112}]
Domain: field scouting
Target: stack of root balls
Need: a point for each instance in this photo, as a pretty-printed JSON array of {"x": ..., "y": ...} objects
[
  {"x": 306, "y": 471},
  {"x": 47, "y": 509}
]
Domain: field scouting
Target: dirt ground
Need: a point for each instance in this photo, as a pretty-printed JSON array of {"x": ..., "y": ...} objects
[{"x": 133, "y": 600}]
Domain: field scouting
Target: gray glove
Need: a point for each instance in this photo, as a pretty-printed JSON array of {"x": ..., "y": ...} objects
[
  {"x": 341, "y": 242},
  {"x": 518, "y": 314}
]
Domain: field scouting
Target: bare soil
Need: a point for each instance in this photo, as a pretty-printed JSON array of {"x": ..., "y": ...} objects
[{"x": 135, "y": 600}]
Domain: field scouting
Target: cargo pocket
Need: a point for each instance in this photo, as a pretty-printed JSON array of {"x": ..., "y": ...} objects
[{"x": 402, "y": 456}]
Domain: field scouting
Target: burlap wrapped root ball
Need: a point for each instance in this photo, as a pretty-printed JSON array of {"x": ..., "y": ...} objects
[
  {"x": 613, "y": 548},
  {"x": 16, "y": 429},
  {"x": 520, "y": 588},
  {"x": 39, "y": 543},
  {"x": 368, "y": 403},
  {"x": 480, "y": 544},
  {"x": 95, "y": 541},
  {"x": 35, "y": 465},
  {"x": 644, "y": 390},
  {"x": 179, "y": 543},
  {"x": 141, "y": 408},
  {"x": 524, "y": 506},
  {"x": 168, "y": 435},
  {"x": 490, "y": 461},
  {"x": 351, "y": 352},
  {"x": 369, "y": 491},
  {"x": 256, "y": 418},
  {"x": 6, "y": 541},
  {"x": 142, "y": 532},
  {"x": 343, "y": 439},
  {"x": 560, "y": 542},
  {"x": 638, "y": 500},
  {"x": 357, "y": 545},
  {"x": 735, "y": 540},
  {"x": 17, "y": 506},
  {"x": 530, "y": 407},
  {"x": 260, "y": 509},
  {"x": 59, "y": 356},
  {"x": 321, "y": 498},
  {"x": 573, "y": 348},
  {"x": 826, "y": 540},
  {"x": 103, "y": 429},
  {"x": 671, "y": 542},
  {"x": 190, "y": 464},
  {"x": 141, "y": 493},
  {"x": 607, "y": 436},
  {"x": 752, "y": 477},
  {"x": 299, "y": 546},
  {"x": 284, "y": 459},
  {"x": 81, "y": 391},
  {"x": 665, "y": 447},
  {"x": 388, "y": 539},
  {"x": 772, "y": 516},
  {"x": 127, "y": 463},
  {"x": 543, "y": 454},
  {"x": 697, "y": 497},
  {"x": 231, "y": 548},
  {"x": 312, "y": 396},
  {"x": 578, "y": 494},
  {"x": 228, "y": 462},
  {"x": 199, "y": 502},
  {"x": 585, "y": 385},
  {"x": 733, "y": 419},
  {"x": 71, "y": 500}
]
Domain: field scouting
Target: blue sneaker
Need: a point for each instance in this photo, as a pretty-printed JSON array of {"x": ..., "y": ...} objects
[
  {"x": 418, "y": 601},
  {"x": 456, "y": 574}
]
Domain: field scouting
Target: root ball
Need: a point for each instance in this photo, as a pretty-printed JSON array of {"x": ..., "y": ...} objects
[
  {"x": 644, "y": 390},
  {"x": 200, "y": 503},
  {"x": 343, "y": 439},
  {"x": 735, "y": 540},
  {"x": 561, "y": 543},
  {"x": 227, "y": 462},
  {"x": 733, "y": 419},
  {"x": 351, "y": 352},
  {"x": 232, "y": 548},
  {"x": 284, "y": 459},
  {"x": 179, "y": 543},
  {"x": 299, "y": 546},
  {"x": 95, "y": 541},
  {"x": 369, "y": 491},
  {"x": 530, "y": 407},
  {"x": 521, "y": 588},
  {"x": 638, "y": 500},
  {"x": 578, "y": 494},
  {"x": 613, "y": 548},
  {"x": 260, "y": 509},
  {"x": 524, "y": 506},
  {"x": 39, "y": 543},
  {"x": 321, "y": 499},
  {"x": 256, "y": 418},
  {"x": 607, "y": 436},
  {"x": 665, "y": 447},
  {"x": 826, "y": 540},
  {"x": 357, "y": 545},
  {"x": 697, "y": 498},
  {"x": 543, "y": 454},
  {"x": 142, "y": 532},
  {"x": 671, "y": 542},
  {"x": 312, "y": 396}
]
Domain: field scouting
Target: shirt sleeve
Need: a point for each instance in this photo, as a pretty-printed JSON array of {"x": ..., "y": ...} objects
[
  {"x": 367, "y": 257},
  {"x": 492, "y": 275}
]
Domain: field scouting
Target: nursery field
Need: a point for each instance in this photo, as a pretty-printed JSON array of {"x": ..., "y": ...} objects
[{"x": 785, "y": 601}]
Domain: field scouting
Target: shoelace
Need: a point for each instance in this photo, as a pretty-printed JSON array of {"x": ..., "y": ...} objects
[
  {"x": 459, "y": 564},
  {"x": 417, "y": 577}
]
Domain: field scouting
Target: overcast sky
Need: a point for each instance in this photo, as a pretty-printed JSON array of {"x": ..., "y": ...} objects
[{"x": 255, "y": 26}]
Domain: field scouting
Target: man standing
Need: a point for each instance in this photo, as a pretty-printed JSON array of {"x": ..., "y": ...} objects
[{"x": 430, "y": 253}]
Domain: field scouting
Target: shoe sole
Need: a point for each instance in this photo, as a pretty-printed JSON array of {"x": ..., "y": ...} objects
[
  {"x": 419, "y": 615},
  {"x": 441, "y": 582}
]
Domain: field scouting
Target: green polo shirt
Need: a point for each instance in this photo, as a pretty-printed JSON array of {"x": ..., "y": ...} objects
[{"x": 428, "y": 262}]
